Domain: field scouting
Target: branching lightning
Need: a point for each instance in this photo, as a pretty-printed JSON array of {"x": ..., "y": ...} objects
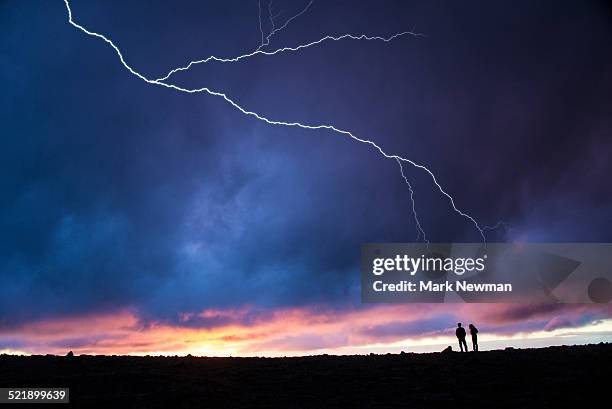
[
  {"x": 499, "y": 225},
  {"x": 417, "y": 222},
  {"x": 285, "y": 49},
  {"x": 273, "y": 29},
  {"x": 264, "y": 42}
]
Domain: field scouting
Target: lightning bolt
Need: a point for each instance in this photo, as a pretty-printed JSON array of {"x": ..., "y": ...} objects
[
  {"x": 160, "y": 82},
  {"x": 417, "y": 222},
  {"x": 500, "y": 224},
  {"x": 260, "y": 27},
  {"x": 285, "y": 49},
  {"x": 273, "y": 29}
]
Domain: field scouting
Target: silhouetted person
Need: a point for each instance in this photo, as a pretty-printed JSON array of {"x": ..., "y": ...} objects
[
  {"x": 460, "y": 332},
  {"x": 474, "y": 334}
]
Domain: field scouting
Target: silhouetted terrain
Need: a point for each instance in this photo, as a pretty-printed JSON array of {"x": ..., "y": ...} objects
[{"x": 573, "y": 375}]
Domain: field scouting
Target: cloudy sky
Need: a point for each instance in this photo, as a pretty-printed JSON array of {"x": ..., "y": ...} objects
[{"x": 136, "y": 218}]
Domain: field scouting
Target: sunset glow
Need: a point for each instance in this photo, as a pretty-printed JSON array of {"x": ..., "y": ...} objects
[{"x": 305, "y": 331}]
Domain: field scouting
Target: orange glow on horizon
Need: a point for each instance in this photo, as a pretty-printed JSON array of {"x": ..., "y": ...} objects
[{"x": 290, "y": 331}]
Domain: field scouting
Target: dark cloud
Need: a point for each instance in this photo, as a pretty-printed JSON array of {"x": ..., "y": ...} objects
[
  {"x": 119, "y": 194},
  {"x": 440, "y": 324},
  {"x": 514, "y": 313},
  {"x": 520, "y": 312}
]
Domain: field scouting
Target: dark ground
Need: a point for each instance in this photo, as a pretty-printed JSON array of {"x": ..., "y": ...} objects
[{"x": 556, "y": 376}]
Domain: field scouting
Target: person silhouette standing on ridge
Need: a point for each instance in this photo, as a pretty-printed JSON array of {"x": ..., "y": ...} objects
[
  {"x": 460, "y": 332},
  {"x": 474, "y": 334}
]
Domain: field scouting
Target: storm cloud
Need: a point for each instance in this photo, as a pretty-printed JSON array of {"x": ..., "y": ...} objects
[{"x": 120, "y": 195}]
